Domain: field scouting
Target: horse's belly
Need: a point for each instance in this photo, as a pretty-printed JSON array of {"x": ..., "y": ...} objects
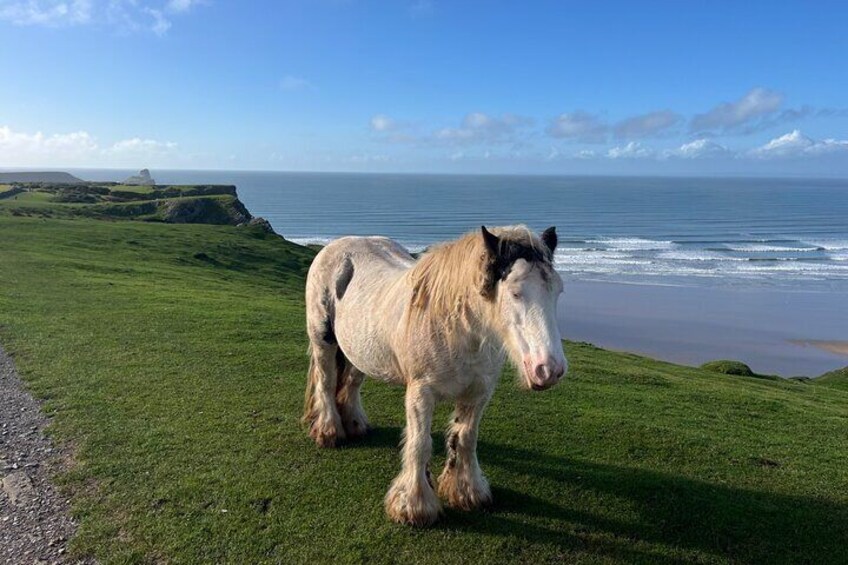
[
  {"x": 376, "y": 362},
  {"x": 365, "y": 347}
]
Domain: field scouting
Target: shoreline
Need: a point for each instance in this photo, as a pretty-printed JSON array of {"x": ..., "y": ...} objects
[{"x": 775, "y": 331}]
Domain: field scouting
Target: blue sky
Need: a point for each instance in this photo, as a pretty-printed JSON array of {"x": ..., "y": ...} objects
[{"x": 426, "y": 86}]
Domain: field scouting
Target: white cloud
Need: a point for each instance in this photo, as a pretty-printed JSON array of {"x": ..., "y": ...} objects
[
  {"x": 382, "y": 123},
  {"x": 291, "y": 83},
  {"x": 633, "y": 150},
  {"x": 161, "y": 24},
  {"x": 699, "y": 149},
  {"x": 49, "y": 13},
  {"x": 18, "y": 148},
  {"x": 578, "y": 126},
  {"x": 179, "y": 6},
  {"x": 122, "y": 16},
  {"x": 366, "y": 159},
  {"x": 586, "y": 154},
  {"x": 80, "y": 148},
  {"x": 478, "y": 127},
  {"x": 142, "y": 146},
  {"x": 795, "y": 144},
  {"x": 647, "y": 125},
  {"x": 730, "y": 116}
]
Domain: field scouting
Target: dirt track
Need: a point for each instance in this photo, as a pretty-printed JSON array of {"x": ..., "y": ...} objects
[{"x": 35, "y": 523}]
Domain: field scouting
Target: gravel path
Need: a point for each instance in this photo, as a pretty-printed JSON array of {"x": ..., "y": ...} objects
[{"x": 35, "y": 524}]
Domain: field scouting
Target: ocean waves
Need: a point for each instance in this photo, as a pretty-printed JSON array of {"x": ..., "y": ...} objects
[{"x": 771, "y": 261}]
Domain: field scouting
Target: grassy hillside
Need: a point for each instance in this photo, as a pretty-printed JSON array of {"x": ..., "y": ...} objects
[
  {"x": 837, "y": 379},
  {"x": 173, "y": 358}
]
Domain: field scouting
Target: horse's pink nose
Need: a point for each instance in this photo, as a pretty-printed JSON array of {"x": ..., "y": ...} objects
[{"x": 546, "y": 374}]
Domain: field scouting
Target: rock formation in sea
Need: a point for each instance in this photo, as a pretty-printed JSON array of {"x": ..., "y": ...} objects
[{"x": 143, "y": 178}]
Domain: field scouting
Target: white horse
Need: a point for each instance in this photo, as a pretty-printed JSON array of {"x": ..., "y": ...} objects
[{"x": 443, "y": 327}]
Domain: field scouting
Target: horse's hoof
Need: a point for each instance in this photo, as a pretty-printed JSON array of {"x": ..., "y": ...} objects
[
  {"x": 326, "y": 436},
  {"x": 419, "y": 512},
  {"x": 464, "y": 494},
  {"x": 356, "y": 429}
]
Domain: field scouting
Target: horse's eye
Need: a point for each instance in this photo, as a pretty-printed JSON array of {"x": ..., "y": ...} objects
[{"x": 516, "y": 294}]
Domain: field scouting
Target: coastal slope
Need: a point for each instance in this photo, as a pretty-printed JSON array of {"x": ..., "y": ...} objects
[{"x": 172, "y": 358}]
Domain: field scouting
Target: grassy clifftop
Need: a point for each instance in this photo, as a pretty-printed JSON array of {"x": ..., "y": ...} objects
[
  {"x": 173, "y": 358},
  {"x": 204, "y": 204}
]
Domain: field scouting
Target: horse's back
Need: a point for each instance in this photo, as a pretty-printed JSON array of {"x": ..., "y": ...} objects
[
  {"x": 350, "y": 270},
  {"x": 364, "y": 254}
]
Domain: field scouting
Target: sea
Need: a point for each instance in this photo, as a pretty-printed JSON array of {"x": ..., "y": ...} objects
[
  {"x": 737, "y": 232},
  {"x": 682, "y": 269}
]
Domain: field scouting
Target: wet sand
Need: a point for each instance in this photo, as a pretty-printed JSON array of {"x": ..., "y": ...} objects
[{"x": 779, "y": 332}]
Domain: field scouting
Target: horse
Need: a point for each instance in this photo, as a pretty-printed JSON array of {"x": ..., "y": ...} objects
[{"x": 442, "y": 326}]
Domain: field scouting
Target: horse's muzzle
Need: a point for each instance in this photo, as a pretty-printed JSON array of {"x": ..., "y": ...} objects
[{"x": 541, "y": 376}]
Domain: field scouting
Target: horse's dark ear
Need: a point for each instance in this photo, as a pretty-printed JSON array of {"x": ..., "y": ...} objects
[
  {"x": 549, "y": 238},
  {"x": 489, "y": 262},
  {"x": 491, "y": 241}
]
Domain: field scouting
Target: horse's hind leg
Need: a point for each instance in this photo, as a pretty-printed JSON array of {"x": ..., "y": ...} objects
[
  {"x": 320, "y": 413},
  {"x": 349, "y": 402}
]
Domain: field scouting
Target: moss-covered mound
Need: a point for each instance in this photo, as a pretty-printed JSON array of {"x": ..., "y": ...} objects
[
  {"x": 737, "y": 368},
  {"x": 729, "y": 368}
]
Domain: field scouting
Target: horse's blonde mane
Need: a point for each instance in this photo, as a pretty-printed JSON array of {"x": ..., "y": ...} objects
[{"x": 453, "y": 277}]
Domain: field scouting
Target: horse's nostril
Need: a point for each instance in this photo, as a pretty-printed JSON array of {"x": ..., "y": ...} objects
[{"x": 559, "y": 371}]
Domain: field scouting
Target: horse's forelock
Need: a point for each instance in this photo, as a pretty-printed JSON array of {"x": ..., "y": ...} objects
[
  {"x": 446, "y": 274},
  {"x": 518, "y": 243}
]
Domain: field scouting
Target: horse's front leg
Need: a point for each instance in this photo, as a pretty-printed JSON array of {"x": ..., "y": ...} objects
[
  {"x": 462, "y": 483},
  {"x": 411, "y": 499}
]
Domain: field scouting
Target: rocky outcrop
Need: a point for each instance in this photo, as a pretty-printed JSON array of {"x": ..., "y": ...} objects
[
  {"x": 260, "y": 223},
  {"x": 143, "y": 178},
  {"x": 221, "y": 211}
]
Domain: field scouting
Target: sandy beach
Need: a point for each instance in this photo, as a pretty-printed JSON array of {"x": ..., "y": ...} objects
[
  {"x": 838, "y": 347},
  {"x": 774, "y": 331}
]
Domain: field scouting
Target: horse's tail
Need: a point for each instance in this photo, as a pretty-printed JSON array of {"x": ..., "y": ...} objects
[
  {"x": 343, "y": 367},
  {"x": 309, "y": 396},
  {"x": 326, "y": 283}
]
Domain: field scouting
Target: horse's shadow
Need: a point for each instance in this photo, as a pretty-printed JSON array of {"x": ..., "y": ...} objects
[
  {"x": 378, "y": 437},
  {"x": 666, "y": 517}
]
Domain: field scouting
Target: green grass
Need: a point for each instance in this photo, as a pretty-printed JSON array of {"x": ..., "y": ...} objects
[
  {"x": 837, "y": 379},
  {"x": 30, "y": 197},
  {"x": 173, "y": 358},
  {"x": 140, "y": 189}
]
